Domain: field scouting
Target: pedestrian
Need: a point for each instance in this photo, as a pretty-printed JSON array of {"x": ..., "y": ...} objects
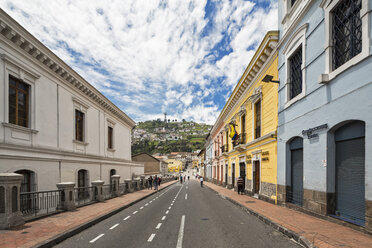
[
  {"x": 156, "y": 181},
  {"x": 188, "y": 178},
  {"x": 150, "y": 182},
  {"x": 180, "y": 178},
  {"x": 201, "y": 181},
  {"x": 159, "y": 181},
  {"x": 240, "y": 185}
]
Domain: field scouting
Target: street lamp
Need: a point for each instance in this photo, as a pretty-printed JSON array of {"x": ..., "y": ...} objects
[{"x": 269, "y": 79}]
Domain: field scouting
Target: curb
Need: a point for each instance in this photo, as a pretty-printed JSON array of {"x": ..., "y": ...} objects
[
  {"x": 289, "y": 233},
  {"x": 69, "y": 233}
]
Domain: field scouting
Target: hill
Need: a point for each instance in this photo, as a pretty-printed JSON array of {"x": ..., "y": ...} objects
[{"x": 156, "y": 136}]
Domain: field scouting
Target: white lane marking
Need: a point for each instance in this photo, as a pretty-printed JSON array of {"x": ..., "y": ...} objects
[
  {"x": 114, "y": 226},
  {"x": 150, "y": 201},
  {"x": 180, "y": 233},
  {"x": 171, "y": 204},
  {"x": 126, "y": 218},
  {"x": 96, "y": 238},
  {"x": 169, "y": 207},
  {"x": 141, "y": 207},
  {"x": 135, "y": 212},
  {"x": 166, "y": 212},
  {"x": 146, "y": 204},
  {"x": 186, "y": 196},
  {"x": 158, "y": 226},
  {"x": 163, "y": 218},
  {"x": 151, "y": 237}
]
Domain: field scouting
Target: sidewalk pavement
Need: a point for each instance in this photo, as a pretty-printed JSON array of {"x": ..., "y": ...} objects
[
  {"x": 318, "y": 232},
  {"x": 60, "y": 226}
]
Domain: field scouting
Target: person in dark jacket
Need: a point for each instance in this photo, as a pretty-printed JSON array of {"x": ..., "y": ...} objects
[
  {"x": 156, "y": 181},
  {"x": 240, "y": 185},
  {"x": 159, "y": 181},
  {"x": 149, "y": 183}
]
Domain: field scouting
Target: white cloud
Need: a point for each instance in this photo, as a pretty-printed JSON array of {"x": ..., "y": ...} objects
[{"x": 151, "y": 56}]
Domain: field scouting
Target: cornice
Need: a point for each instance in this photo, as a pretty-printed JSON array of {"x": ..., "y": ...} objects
[
  {"x": 264, "y": 51},
  {"x": 15, "y": 34}
]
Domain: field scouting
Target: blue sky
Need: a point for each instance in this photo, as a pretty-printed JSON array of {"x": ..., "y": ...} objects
[{"x": 153, "y": 56}]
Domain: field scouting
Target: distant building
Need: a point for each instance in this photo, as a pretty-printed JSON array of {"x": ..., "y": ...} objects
[{"x": 152, "y": 165}]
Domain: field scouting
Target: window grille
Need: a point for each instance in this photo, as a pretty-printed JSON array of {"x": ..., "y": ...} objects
[
  {"x": 346, "y": 31},
  {"x": 295, "y": 73}
]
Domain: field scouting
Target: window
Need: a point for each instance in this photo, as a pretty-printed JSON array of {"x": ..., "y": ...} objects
[
  {"x": 242, "y": 129},
  {"x": 79, "y": 125},
  {"x": 295, "y": 73},
  {"x": 346, "y": 32},
  {"x": 110, "y": 132},
  {"x": 257, "y": 119},
  {"x": 18, "y": 102},
  {"x": 293, "y": 2}
]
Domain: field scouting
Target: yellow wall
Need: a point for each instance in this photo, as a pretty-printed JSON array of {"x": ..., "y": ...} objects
[{"x": 174, "y": 165}]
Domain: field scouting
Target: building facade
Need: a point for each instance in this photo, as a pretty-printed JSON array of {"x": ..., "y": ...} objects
[
  {"x": 250, "y": 117},
  {"x": 208, "y": 157},
  {"x": 152, "y": 165},
  {"x": 325, "y": 108},
  {"x": 55, "y": 126}
]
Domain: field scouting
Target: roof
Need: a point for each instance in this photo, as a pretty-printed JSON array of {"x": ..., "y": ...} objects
[{"x": 145, "y": 153}]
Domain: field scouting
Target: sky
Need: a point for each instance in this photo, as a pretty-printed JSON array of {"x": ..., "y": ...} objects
[{"x": 182, "y": 57}]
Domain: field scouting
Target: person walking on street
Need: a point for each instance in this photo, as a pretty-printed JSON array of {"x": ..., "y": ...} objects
[
  {"x": 240, "y": 185},
  {"x": 181, "y": 179},
  {"x": 150, "y": 183},
  {"x": 188, "y": 178},
  {"x": 159, "y": 181},
  {"x": 201, "y": 181},
  {"x": 156, "y": 182}
]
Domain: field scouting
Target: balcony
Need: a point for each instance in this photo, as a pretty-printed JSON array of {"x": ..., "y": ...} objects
[
  {"x": 240, "y": 141},
  {"x": 225, "y": 150}
]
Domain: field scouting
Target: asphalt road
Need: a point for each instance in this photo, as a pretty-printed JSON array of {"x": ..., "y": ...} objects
[{"x": 183, "y": 215}]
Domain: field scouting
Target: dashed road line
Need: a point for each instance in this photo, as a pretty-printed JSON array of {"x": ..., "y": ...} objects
[
  {"x": 166, "y": 212},
  {"x": 135, "y": 212},
  {"x": 186, "y": 196},
  {"x": 169, "y": 207},
  {"x": 126, "y": 218},
  {"x": 180, "y": 233},
  {"x": 114, "y": 226},
  {"x": 163, "y": 218},
  {"x": 96, "y": 238},
  {"x": 146, "y": 204},
  {"x": 158, "y": 226},
  {"x": 151, "y": 237},
  {"x": 141, "y": 207}
]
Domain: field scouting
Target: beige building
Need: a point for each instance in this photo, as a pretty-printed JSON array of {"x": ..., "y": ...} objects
[{"x": 152, "y": 165}]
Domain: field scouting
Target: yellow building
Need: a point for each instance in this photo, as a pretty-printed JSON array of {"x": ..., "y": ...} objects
[
  {"x": 174, "y": 166},
  {"x": 251, "y": 113},
  {"x": 195, "y": 162}
]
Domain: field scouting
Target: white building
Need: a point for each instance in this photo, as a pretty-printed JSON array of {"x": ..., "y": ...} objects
[{"x": 61, "y": 128}]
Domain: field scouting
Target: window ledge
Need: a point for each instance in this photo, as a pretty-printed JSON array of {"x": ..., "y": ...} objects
[
  {"x": 295, "y": 99},
  {"x": 111, "y": 150},
  {"x": 19, "y": 128},
  {"x": 80, "y": 142}
]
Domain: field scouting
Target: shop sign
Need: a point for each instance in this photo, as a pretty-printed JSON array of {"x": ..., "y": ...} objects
[{"x": 310, "y": 132}]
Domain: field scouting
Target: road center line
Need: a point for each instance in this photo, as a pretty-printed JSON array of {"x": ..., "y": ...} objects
[
  {"x": 166, "y": 212},
  {"x": 180, "y": 233},
  {"x": 126, "y": 218},
  {"x": 141, "y": 207},
  {"x": 186, "y": 196},
  {"x": 114, "y": 226},
  {"x": 169, "y": 207},
  {"x": 146, "y": 204},
  {"x": 135, "y": 212},
  {"x": 151, "y": 237},
  {"x": 96, "y": 238},
  {"x": 158, "y": 226},
  {"x": 163, "y": 218}
]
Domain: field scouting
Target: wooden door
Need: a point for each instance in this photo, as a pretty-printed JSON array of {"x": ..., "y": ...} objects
[{"x": 256, "y": 177}]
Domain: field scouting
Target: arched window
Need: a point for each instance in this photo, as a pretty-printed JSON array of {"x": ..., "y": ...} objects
[
  {"x": 112, "y": 172},
  {"x": 29, "y": 181},
  {"x": 296, "y": 190}
]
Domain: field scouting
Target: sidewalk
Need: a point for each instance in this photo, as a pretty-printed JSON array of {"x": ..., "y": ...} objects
[
  {"x": 320, "y": 233},
  {"x": 57, "y": 226}
]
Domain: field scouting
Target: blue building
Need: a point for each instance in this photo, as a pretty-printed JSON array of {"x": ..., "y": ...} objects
[{"x": 325, "y": 108}]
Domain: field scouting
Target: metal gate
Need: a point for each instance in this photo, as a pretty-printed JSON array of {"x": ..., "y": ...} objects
[
  {"x": 350, "y": 173},
  {"x": 296, "y": 191}
]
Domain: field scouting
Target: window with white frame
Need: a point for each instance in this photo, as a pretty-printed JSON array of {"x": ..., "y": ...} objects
[
  {"x": 294, "y": 53},
  {"x": 80, "y": 126},
  {"x": 110, "y": 135},
  {"x": 347, "y": 37},
  {"x": 346, "y": 32},
  {"x": 295, "y": 73}
]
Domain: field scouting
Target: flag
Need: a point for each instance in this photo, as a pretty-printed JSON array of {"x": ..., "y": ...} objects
[{"x": 233, "y": 133}]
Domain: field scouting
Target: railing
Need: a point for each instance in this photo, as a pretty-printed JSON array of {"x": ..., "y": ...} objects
[
  {"x": 34, "y": 204},
  {"x": 107, "y": 191},
  {"x": 122, "y": 187},
  {"x": 84, "y": 195},
  {"x": 224, "y": 148}
]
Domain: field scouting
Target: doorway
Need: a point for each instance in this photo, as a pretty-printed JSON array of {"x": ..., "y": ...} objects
[
  {"x": 242, "y": 172},
  {"x": 226, "y": 168},
  {"x": 256, "y": 177},
  {"x": 233, "y": 175},
  {"x": 295, "y": 194}
]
